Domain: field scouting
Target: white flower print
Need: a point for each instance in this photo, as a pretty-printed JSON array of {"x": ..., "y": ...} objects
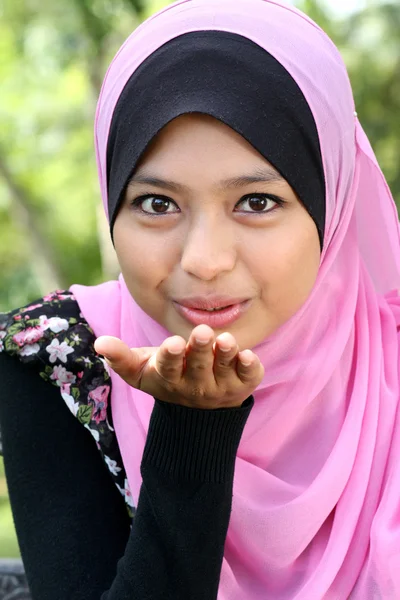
[
  {"x": 1, "y": 346},
  {"x": 29, "y": 350},
  {"x": 2, "y": 335},
  {"x": 57, "y": 350},
  {"x": 70, "y": 402},
  {"x": 112, "y": 465},
  {"x": 44, "y": 322},
  {"x": 60, "y": 375},
  {"x": 55, "y": 324},
  {"x": 94, "y": 433},
  {"x": 75, "y": 338},
  {"x": 127, "y": 494}
]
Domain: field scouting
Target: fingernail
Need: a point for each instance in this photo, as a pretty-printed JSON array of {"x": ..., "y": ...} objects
[
  {"x": 246, "y": 363},
  {"x": 226, "y": 343},
  {"x": 247, "y": 359},
  {"x": 202, "y": 341},
  {"x": 226, "y": 348},
  {"x": 175, "y": 351}
]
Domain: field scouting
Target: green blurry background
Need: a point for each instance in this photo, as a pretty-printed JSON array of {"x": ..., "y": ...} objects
[{"x": 53, "y": 56}]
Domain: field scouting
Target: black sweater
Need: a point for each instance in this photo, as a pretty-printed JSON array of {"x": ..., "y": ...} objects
[{"x": 75, "y": 536}]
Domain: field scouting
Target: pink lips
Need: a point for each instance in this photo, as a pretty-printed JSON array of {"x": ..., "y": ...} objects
[{"x": 194, "y": 310}]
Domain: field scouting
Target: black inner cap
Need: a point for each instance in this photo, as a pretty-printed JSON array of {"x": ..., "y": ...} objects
[{"x": 234, "y": 80}]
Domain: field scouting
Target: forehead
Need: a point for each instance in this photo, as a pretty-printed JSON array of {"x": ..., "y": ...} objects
[
  {"x": 198, "y": 134},
  {"x": 202, "y": 145}
]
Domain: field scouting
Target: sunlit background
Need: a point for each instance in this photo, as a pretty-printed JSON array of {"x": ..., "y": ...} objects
[{"x": 53, "y": 56}]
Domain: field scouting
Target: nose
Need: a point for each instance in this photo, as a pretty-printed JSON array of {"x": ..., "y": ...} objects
[{"x": 209, "y": 250}]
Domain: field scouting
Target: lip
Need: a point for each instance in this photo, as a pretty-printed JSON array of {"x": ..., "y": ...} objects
[
  {"x": 216, "y": 320},
  {"x": 204, "y": 302}
]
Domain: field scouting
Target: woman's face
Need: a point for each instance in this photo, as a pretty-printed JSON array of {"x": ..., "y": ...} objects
[{"x": 207, "y": 218}]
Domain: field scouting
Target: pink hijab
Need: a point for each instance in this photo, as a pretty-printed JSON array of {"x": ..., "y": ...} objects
[{"x": 316, "y": 506}]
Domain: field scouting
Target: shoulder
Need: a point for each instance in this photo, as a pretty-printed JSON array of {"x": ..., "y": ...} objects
[
  {"x": 25, "y": 330},
  {"x": 52, "y": 335}
]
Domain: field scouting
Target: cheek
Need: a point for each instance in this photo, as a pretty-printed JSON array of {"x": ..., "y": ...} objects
[
  {"x": 145, "y": 257},
  {"x": 297, "y": 270},
  {"x": 286, "y": 267}
]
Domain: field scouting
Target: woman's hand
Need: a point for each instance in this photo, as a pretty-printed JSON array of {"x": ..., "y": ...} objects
[{"x": 204, "y": 373}]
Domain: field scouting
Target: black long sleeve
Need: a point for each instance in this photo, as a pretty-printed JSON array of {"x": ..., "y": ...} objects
[{"x": 71, "y": 522}]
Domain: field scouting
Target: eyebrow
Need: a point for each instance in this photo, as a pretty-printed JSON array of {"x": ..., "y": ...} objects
[{"x": 266, "y": 175}]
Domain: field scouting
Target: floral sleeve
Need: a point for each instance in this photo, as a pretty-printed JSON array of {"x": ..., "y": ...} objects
[{"x": 53, "y": 334}]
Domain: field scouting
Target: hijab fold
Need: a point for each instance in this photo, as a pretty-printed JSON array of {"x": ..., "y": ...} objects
[{"x": 317, "y": 483}]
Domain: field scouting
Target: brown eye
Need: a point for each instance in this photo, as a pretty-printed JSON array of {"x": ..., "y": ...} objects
[
  {"x": 259, "y": 203},
  {"x": 159, "y": 205},
  {"x": 155, "y": 205}
]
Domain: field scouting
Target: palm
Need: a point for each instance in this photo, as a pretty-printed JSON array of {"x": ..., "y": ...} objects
[{"x": 203, "y": 373}]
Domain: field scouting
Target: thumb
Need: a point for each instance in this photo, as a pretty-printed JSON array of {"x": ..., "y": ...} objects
[{"x": 127, "y": 362}]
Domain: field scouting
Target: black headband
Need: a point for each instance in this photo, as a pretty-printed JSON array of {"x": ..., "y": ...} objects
[{"x": 228, "y": 77}]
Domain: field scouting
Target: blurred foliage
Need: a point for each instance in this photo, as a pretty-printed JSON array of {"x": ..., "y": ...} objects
[
  {"x": 53, "y": 56},
  {"x": 369, "y": 42}
]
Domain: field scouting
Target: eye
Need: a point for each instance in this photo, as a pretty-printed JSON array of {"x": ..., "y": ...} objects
[
  {"x": 259, "y": 203},
  {"x": 155, "y": 205}
]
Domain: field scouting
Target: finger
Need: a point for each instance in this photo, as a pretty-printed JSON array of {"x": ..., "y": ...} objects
[
  {"x": 169, "y": 359},
  {"x": 249, "y": 368},
  {"x": 199, "y": 353},
  {"x": 127, "y": 362},
  {"x": 225, "y": 356}
]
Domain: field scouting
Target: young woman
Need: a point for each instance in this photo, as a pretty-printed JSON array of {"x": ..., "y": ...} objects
[{"x": 249, "y": 348}]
